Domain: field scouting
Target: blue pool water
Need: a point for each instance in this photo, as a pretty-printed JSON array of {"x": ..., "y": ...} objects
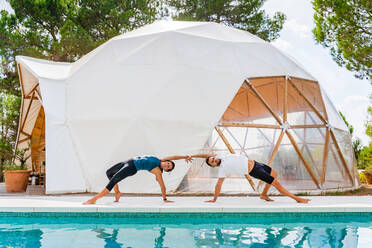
[{"x": 185, "y": 230}]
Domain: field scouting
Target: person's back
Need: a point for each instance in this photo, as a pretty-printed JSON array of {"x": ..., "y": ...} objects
[
  {"x": 146, "y": 162},
  {"x": 232, "y": 164}
]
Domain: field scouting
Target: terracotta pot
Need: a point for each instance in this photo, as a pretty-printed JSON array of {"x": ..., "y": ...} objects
[
  {"x": 368, "y": 178},
  {"x": 16, "y": 180}
]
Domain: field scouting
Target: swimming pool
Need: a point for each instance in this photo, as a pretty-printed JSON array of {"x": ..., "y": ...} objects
[{"x": 112, "y": 230}]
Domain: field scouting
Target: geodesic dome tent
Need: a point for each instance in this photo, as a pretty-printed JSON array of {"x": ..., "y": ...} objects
[
  {"x": 289, "y": 123},
  {"x": 178, "y": 88}
]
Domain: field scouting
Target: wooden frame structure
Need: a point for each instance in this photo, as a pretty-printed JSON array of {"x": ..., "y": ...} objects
[
  {"x": 32, "y": 130},
  {"x": 289, "y": 83}
]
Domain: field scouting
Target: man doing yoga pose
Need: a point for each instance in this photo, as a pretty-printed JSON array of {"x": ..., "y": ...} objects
[{"x": 239, "y": 164}]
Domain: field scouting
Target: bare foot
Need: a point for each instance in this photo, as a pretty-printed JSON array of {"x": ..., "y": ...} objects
[
  {"x": 303, "y": 200},
  {"x": 117, "y": 196},
  {"x": 90, "y": 201},
  {"x": 266, "y": 198}
]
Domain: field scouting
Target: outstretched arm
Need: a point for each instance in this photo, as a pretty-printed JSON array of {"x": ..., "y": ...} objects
[
  {"x": 186, "y": 157},
  {"x": 217, "y": 189},
  {"x": 159, "y": 179},
  {"x": 203, "y": 155}
]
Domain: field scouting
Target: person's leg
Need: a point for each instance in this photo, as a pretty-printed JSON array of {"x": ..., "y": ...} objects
[
  {"x": 127, "y": 170},
  {"x": 95, "y": 198},
  {"x": 266, "y": 174},
  {"x": 264, "y": 195},
  {"x": 114, "y": 169},
  {"x": 110, "y": 173},
  {"x": 118, "y": 194},
  {"x": 285, "y": 192}
]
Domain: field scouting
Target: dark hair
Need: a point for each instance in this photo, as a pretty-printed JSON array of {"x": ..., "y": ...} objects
[
  {"x": 207, "y": 161},
  {"x": 172, "y": 164}
]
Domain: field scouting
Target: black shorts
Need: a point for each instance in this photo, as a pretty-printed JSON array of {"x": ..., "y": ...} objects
[
  {"x": 120, "y": 171},
  {"x": 262, "y": 172}
]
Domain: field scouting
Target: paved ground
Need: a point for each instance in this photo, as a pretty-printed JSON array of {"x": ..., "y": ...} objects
[
  {"x": 72, "y": 203},
  {"x": 34, "y": 201}
]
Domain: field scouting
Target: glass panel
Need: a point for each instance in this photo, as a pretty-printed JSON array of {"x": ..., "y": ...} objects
[
  {"x": 345, "y": 143},
  {"x": 292, "y": 172},
  {"x": 335, "y": 173},
  {"x": 272, "y": 91},
  {"x": 247, "y": 107},
  {"x": 299, "y": 111},
  {"x": 333, "y": 117},
  {"x": 311, "y": 90}
]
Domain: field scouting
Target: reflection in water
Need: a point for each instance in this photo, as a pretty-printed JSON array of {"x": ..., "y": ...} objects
[
  {"x": 110, "y": 239},
  {"x": 277, "y": 237},
  {"x": 159, "y": 240},
  {"x": 184, "y": 235}
]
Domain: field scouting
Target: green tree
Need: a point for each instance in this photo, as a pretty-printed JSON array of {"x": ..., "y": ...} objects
[
  {"x": 368, "y": 123},
  {"x": 65, "y": 30},
  {"x": 58, "y": 30},
  {"x": 345, "y": 27},
  {"x": 349, "y": 126},
  {"x": 9, "y": 112},
  {"x": 365, "y": 155},
  {"x": 243, "y": 14}
]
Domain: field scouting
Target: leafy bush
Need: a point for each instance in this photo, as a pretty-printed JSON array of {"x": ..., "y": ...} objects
[
  {"x": 11, "y": 167},
  {"x": 368, "y": 170},
  {"x": 362, "y": 178}
]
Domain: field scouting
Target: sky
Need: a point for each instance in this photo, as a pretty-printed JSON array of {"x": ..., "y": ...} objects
[{"x": 348, "y": 94}]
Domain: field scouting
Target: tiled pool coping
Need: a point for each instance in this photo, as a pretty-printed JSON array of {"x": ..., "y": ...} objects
[
  {"x": 298, "y": 216},
  {"x": 72, "y": 204}
]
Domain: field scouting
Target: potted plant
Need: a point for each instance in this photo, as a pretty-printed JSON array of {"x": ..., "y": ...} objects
[
  {"x": 16, "y": 176},
  {"x": 368, "y": 174}
]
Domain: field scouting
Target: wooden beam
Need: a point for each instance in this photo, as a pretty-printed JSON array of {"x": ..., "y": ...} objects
[
  {"x": 38, "y": 94},
  {"x": 277, "y": 118},
  {"x": 305, "y": 145},
  {"x": 21, "y": 80},
  {"x": 308, "y": 126},
  {"x": 276, "y": 149},
  {"x": 234, "y": 124},
  {"x": 330, "y": 149},
  {"x": 23, "y": 140},
  {"x": 23, "y": 132},
  {"x": 325, "y": 158},
  {"x": 273, "y": 77},
  {"x": 285, "y": 105},
  {"x": 29, "y": 97},
  {"x": 233, "y": 152},
  {"x": 308, "y": 101},
  {"x": 343, "y": 161},
  {"x": 32, "y": 90},
  {"x": 20, "y": 120},
  {"x": 273, "y": 154},
  {"x": 237, "y": 141},
  {"x": 27, "y": 111},
  {"x": 307, "y": 166}
]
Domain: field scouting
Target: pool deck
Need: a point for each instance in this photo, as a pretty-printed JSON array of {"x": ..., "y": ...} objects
[{"x": 154, "y": 204}]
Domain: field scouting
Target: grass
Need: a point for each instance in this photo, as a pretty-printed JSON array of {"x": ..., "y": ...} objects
[{"x": 349, "y": 192}]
